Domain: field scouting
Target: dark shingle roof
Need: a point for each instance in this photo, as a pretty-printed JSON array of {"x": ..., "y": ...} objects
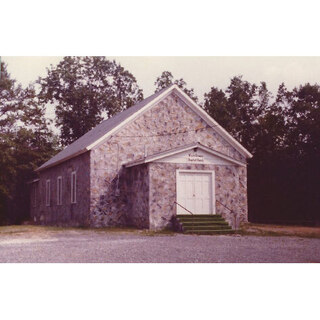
[{"x": 79, "y": 146}]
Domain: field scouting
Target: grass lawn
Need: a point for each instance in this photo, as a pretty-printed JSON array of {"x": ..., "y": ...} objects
[
  {"x": 249, "y": 229},
  {"x": 51, "y": 230}
]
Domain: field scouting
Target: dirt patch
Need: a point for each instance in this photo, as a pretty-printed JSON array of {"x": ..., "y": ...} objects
[
  {"x": 278, "y": 230},
  {"x": 51, "y": 231},
  {"x": 46, "y": 232},
  {"x": 24, "y": 241}
]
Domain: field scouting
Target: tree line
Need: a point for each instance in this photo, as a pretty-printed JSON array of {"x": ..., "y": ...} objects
[{"x": 282, "y": 132}]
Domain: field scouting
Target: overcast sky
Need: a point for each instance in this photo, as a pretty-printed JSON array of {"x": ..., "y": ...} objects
[{"x": 200, "y": 73}]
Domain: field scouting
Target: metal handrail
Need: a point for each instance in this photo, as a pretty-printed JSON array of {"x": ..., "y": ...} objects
[
  {"x": 225, "y": 206},
  {"x": 183, "y": 207},
  {"x": 234, "y": 213},
  {"x": 192, "y": 225}
]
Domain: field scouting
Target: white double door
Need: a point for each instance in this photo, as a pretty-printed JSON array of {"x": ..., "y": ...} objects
[{"x": 195, "y": 192}]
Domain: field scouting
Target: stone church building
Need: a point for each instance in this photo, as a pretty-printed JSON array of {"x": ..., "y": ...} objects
[{"x": 162, "y": 157}]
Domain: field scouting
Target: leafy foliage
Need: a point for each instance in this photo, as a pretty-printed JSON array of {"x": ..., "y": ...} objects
[
  {"x": 84, "y": 90},
  {"x": 25, "y": 143},
  {"x": 284, "y": 136},
  {"x": 282, "y": 132},
  {"x": 166, "y": 79},
  {"x": 239, "y": 109}
]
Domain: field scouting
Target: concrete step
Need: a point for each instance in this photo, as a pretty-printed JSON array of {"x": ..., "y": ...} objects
[
  {"x": 204, "y": 222},
  {"x": 209, "y": 232},
  {"x": 201, "y": 216},
  {"x": 206, "y": 227}
]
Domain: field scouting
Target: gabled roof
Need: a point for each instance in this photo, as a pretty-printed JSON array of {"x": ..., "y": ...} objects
[
  {"x": 171, "y": 152},
  {"x": 81, "y": 145},
  {"x": 108, "y": 127}
]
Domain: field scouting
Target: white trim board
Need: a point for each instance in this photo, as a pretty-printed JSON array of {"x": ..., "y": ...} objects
[
  {"x": 178, "y": 155},
  {"x": 197, "y": 109},
  {"x": 187, "y": 100},
  {"x": 59, "y": 190},
  {"x": 215, "y": 125},
  {"x": 48, "y": 192},
  {"x": 131, "y": 118},
  {"x": 213, "y": 187},
  {"x": 73, "y": 198}
]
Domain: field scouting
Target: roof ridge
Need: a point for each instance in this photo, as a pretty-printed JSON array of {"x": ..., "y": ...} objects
[{"x": 107, "y": 127}]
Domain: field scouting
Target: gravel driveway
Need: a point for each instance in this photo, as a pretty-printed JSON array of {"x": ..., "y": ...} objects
[{"x": 93, "y": 246}]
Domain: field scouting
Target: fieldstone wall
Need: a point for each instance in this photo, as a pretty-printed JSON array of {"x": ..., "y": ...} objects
[
  {"x": 230, "y": 189},
  {"x": 135, "y": 184},
  {"x": 67, "y": 214},
  {"x": 167, "y": 125}
]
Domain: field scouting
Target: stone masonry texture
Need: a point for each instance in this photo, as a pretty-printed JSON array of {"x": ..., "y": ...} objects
[
  {"x": 229, "y": 190},
  {"x": 142, "y": 196},
  {"x": 169, "y": 124}
]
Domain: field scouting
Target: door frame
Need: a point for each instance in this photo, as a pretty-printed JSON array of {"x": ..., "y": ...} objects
[{"x": 213, "y": 186}]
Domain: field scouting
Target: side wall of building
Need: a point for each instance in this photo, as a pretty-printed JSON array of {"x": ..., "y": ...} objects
[
  {"x": 66, "y": 214},
  {"x": 135, "y": 185},
  {"x": 230, "y": 189},
  {"x": 169, "y": 124}
]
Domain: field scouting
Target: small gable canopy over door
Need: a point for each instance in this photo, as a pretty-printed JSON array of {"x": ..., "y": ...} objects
[{"x": 195, "y": 192}]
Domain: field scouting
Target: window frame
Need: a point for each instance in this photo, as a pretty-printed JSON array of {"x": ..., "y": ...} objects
[
  {"x": 73, "y": 197},
  {"x": 59, "y": 191},
  {"x": 34, "y": 195},
  {"x": 48, "y": 192}
]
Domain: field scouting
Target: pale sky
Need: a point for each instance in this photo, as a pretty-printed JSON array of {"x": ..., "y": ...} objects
[{"x": 200, "y": 73}]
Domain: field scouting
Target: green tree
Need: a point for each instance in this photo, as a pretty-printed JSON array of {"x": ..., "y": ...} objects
[
  {"x": 283, "y": 134},
  {"x": 25, "y": 143},
  {"x": 239, "y": 109},
  {"x": 84, "y": 91},
  {"x": 304, "y": 146},
  {"x": 166, "y": 79},
  {"x": 216, "y": 105},
  {"x": 9, "y": 107},
  {"x": 304, "y": 119}
]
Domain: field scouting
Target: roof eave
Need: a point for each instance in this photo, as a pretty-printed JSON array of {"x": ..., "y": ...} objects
[
  {"x": 170, "y": 152},
  {"x": 132, "y": 117},
  {"x": 61, "y": 161},
  {"x": 33, "y": 181},
  {"x": 216, "y": 126}
]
